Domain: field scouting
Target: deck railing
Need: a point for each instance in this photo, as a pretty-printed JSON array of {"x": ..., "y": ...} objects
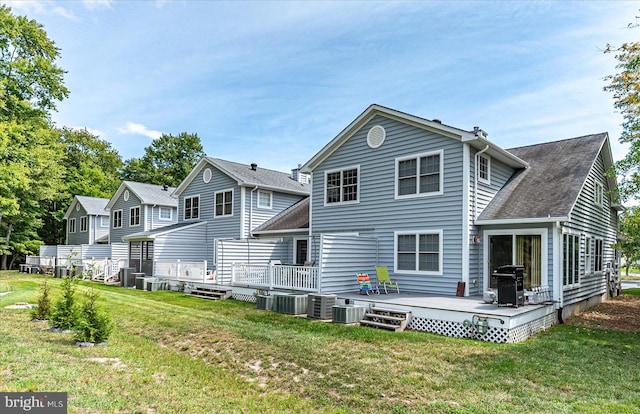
[
  {"x": 271, "y": 276},
  {"x": 183, "y": 271}
]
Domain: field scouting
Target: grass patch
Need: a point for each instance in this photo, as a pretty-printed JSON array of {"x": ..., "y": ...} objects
[{"x": 171, "y": 353}]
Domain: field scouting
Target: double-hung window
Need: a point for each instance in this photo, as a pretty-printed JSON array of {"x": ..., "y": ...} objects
[
  {"x": 117, "y": 219},
  {"x": 83, "y": 224},
  {"x": 342, "y": 186},
  {"x": 598, "y": 252},
  {"x": 484, "y": 169},
  {"x": 104, "y": 221},
  {"x": 134, "y": 216},
  {"x": 264, "y": 199},
  {"x": 224, "y": 203},
  {"x": 165, "y": 213},
  {"x": 191, "y": 207},
  {"x": 419, "y": 175},
  {"x": 418, "y": 252},
  {"x": 587, "y": 255},
  {"x": 599, "y": 194},
  {"x": 72, "y": 225},
  {"x": 571, "y": 259}
]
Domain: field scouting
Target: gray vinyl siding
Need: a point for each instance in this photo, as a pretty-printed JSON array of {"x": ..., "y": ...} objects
[
  {"x": 255, "y": 252},
  {"x": 499, "y": 175},
  {"x": 597, "y": 222},
  {"x": 255, "y": 216},
  {"x": 378, "y": 214},
  {"x": 152, "y": 217},
  {"x": 188, "y": 244},
  {"x": 82, "y": 237},
  {"x": 116, "y": 235},
  {"x": 340, "y": 270}
]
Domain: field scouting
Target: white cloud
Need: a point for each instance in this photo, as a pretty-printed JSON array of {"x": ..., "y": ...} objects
[
  {"x": 31, "y": 8},
  {"x": 97, "y": 4},
  {"x": 139, "y": 129}
]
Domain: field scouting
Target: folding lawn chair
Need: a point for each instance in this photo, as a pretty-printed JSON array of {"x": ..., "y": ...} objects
[
  {"x": 366, "y": 288},
  {"x": 385, "y": 279}
]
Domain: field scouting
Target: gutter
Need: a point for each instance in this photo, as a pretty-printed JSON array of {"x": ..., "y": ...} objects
[{"x": 251, "y": 212}]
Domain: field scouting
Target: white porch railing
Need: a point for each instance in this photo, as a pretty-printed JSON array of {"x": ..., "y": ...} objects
[
  {"x": 40, "y": 260},
  {"x": 276, "y": 276},
  {"x": 183, "y": 271},
  {"x": 104, "y": 269}
]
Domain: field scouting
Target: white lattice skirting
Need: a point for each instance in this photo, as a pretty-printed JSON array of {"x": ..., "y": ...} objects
[
  {"x": 493, "y": 334},
  {"x": 244, "y": 297}
]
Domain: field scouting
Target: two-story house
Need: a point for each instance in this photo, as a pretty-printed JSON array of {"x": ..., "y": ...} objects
[
  {"x": 87, "y": 221},
  {"x": 137, "y": 208}
]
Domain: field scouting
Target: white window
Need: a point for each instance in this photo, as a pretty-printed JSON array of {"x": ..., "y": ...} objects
[
  {"x": 264, "y": 199},
  {"x": 117, "y": 219},
  {"x": 342, "y": 186},
  {"x": 224, "y": 203},
  {"x": 191, "y": 207},
  {"x": 83, "y": 224},
  {"x": 72, "y": 225},
  {"x": 104, "y": 221},
  {"x": 419, "y": 252},
  {"x": 134, "y": 216},
  {"x": 587, "y": 255},
  {"x": 598, "y": 253},
  {"x": 484, "y": 169},
  {"x": 599, "y": 194},
  {"x": 165, "y": 213},
  {"x": 419, "y": 175},
  {"x": 571, "y": 259}
]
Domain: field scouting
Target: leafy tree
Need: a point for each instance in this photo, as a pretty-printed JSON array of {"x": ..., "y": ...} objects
[
  {"x": 625, "y": 87},
  {"x": 30, "y": 81},
  {"x": 91, "y": 168},
  {"x": 629, "y": 244},
  {"x": 168, "y": 160},
  {"x": 93, "y": 325},
  {"x": 30, "y": 86},
  {"x": 65, "y": 311}
]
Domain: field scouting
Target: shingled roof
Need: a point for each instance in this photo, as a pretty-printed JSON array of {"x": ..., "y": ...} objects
[
  {"x": 151, "y": 194},
  {"x": 550, "y": 186},
  {"x": 94, "y": 206},
  {"x": 151, "y": 234},
  {"x": 295, "y": 217}
]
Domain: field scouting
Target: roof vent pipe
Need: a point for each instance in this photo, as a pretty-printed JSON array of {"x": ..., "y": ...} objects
[
  {"x": 437, "y": 121},
  {"x": 165, "y": 187},
  {"x": 254, "y": 166}
]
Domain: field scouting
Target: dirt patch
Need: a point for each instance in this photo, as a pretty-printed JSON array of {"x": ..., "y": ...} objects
[{"x": 621, "y": 313}]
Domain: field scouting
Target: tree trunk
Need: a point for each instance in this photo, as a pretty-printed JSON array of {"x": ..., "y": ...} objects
[{"x": 3, "y": 262}]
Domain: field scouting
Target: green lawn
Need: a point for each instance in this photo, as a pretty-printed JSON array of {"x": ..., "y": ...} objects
[{"x": 175, "y": 354}]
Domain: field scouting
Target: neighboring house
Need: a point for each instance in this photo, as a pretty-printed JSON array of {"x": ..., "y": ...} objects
[
  {"x": 87, "y": 221},
  {"x": 222, "y": 200},
  {"x": 137, "y": 208},
  {"x": 440, "y": 205}
]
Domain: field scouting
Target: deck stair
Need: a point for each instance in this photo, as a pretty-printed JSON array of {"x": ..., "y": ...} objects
[
  {"x": 395, "y": 320},
  {"x": 213, "y": 293}
]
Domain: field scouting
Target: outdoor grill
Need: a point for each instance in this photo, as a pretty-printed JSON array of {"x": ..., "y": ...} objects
[{"x": 510, "y": 285}]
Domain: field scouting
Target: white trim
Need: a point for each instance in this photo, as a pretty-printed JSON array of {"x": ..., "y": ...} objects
[
  {"x": 131, "y": 216},
  {"x": 466, "y": 233},
  {"x": 598, "y": 198},
  {"x": 215, "y": 213},
  {"x": 126, "y": 195},
  {"x": 558, "y": 295},
  {"x": 544, "y": 250},
  {"x": 417, "y": 157},
  {"x": 576, "y": 234},
  {"x": 243, "y": 212},
  {"x": 417, "y": 233},
  {"x": 113, "y": 221},
  {"x": 160, "y": 208},
  {"x": 184, "y": 207},
  {"x": 487, "y": 180},
  {"x": 341, "y": 170},
  {"x": 523, "y": 220},
  {"x": 311, "y": 207},
  {"x": 86, "y": 224},
  {"x": 69, "y": 225},
  {"x": 268, "y": 207},
  {"x": 133, "y": 237},
  {"x": 295, "y": 248},
  {"x": 207, "y": 174},
  {"x": 102, "y": 218}
]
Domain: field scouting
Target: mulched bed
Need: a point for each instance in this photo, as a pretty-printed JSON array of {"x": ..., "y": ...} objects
[{"x": 621, "y": 313}]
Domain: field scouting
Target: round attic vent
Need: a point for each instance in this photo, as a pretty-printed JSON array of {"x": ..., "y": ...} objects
[
  {"x": 376, "y": 136},
  {"x": 125, "y": 196},
  {"x": 206, "y": 175},
  {"x": 77, "y": 207}
]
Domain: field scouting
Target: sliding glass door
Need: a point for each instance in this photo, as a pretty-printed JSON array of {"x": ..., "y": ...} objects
[{"x": 514, "y": 249}]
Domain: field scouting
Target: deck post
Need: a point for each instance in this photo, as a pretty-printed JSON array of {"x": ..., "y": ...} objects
[{"x": 270, "y": 275}]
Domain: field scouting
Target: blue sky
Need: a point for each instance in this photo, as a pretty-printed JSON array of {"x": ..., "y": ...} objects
[{"x": 273, "y": 82}]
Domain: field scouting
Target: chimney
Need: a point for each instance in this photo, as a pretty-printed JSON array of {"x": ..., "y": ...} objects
[
  {"x": 254, "y": 166},
  {"x": 479, "y": 132}
]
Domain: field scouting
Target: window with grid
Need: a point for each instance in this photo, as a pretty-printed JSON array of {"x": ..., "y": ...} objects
[
  {"x": 419, "y": 175},
  {"x": 83, "y": 224},
  {"x": 165, "y": 213},
  {"x": 484, "y": 169},
  {"x": 117, "y": 219},
  {"x": 264, "y": 199},
  {"x": 599, "y": 197},
  {"x": 104, "y": 221},
  {"x": 587, "y": 255},
  {"x": 418, "y": 252},
  {"x": 342, "y": 186},
  {"x": 72, "y": 225},
  {"x": 598, "y": 252},
  {"x": 224, "y": 203},
  {"x": 191, "y": 207},
  {"x": 571, "y": 259},
  {"x": 134, "y": 216}
]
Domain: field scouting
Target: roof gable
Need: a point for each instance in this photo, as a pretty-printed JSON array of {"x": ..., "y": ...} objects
[
  {"x": 93, "y": 206},
  {"x": 550, "y": 187},
  {"x": 244, "y": 175},
  {"x": 150, "y": 194}
]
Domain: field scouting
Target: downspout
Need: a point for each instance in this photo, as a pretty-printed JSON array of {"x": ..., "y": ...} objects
[
  {"x": 475, "y": 183},
  {"x": 559, "y": 299},
  {"x": 152, "y": 207},
  {"x": 251, "y": 213}
]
